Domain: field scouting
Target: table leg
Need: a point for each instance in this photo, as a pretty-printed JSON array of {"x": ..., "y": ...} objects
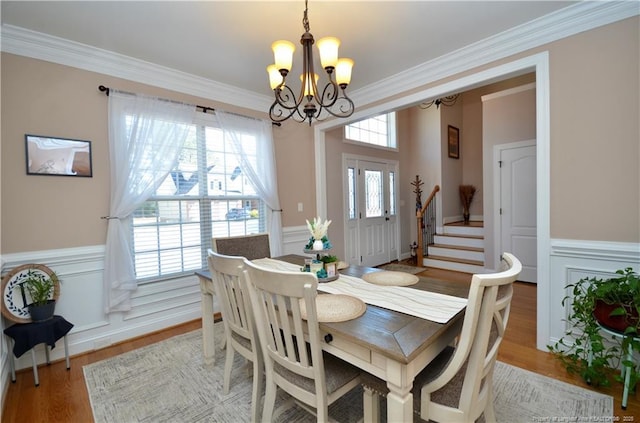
[
  {"x": 46, "y": 353},
  {"x": 35, "y": 367},
  {"x": 399, "y": 398},
  {"x": 12, "y": 361},
  {"x": 208, "y": 346},
  {"x": 66, "y": 352},
  {"x": 399, "y": 407}
]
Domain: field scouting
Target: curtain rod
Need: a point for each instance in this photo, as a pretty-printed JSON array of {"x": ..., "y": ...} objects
[
  {"x": 107, "y": 89},
  {"x": 204, "y": 109}
]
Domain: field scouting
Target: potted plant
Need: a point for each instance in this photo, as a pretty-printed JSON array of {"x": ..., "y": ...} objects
[
  {"x": 40, "y": 288},
  {"x": 586, "y": 349}
]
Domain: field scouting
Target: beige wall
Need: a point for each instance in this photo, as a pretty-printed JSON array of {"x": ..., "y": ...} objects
[
  {"x": 50, "y": 212},
  {"x": 594, "y": 103},
  {"x": 594, "y": 132},
  {"x": 595, "y": 179},
  {"x": 471, "y": 145}
]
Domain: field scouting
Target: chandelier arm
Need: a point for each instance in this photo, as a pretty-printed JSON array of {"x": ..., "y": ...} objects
[
  {"x": 285, "y": 97},
  {"x": 330, "y": 93},
  {"x": 281, "y": 109},
  {"x": 345, "y": 107}
]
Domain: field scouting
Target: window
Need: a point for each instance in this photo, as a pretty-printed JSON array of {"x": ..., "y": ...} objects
[
  {"x": 379, "y": 130},
  {"x": 351, "y": 188},
  {"x": 172, "y": 231}
]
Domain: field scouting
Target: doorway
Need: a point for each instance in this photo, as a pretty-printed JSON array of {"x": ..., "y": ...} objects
[
  {"x": 371, "y": 223},
  {"x": 538, "y": 63},
  {"x": 517, "y": 204}
]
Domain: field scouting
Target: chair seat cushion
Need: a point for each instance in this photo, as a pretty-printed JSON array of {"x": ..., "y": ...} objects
[
  {"x": 337, "y": 374},
  {"x": 242, "y": 340}
]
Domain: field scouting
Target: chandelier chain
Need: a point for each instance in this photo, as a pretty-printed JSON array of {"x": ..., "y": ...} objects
[{"x": 305, "y": 18}]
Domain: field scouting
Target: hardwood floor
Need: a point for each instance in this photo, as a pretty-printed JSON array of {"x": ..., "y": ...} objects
[{"x": 62, "y": 395}]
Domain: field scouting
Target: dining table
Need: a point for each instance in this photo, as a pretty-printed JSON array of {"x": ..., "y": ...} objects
[{"x": 389, "y": 344}]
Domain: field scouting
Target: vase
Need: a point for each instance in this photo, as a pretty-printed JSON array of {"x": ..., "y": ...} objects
[
  {"x": 617, "y": 323},
  {"x": 466, "y": 216},
  {"x": 318, "y": 245},
  {"x": 40, "y": 313}
]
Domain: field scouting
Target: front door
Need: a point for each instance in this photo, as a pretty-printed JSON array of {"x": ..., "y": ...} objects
[{"x": 371, "y": 210}]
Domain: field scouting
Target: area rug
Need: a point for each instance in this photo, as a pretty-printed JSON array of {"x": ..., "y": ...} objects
[
  {"x": 168, "y": 382},
  {"x": 397, "y": 267}
]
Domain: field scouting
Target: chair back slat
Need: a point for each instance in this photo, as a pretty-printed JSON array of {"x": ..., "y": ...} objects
[{"x": 225, "y": 274}]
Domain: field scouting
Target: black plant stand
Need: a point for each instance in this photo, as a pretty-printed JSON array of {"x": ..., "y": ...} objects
[{"x": 25, "y": 336}]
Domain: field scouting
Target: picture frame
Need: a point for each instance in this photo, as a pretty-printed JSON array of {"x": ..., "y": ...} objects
[
  {"x": 54, "y": 156},
  {"x": 331, "y": 269},
  {"x": 453, "y": 142}
]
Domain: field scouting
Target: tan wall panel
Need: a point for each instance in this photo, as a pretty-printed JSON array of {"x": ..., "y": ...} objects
[
  {"x": 595, "y": 139},
  {"x": 49, "y": 212}
]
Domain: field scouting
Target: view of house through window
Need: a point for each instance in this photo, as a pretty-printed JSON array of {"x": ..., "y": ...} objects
[
  {"x": 206, "y": 195},
  {"x": 378, "y": 130}
]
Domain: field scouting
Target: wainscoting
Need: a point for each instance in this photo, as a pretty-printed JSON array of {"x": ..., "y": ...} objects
[
  {"x": 571, "y": 260},
  {"x": 170, "y": 302}
]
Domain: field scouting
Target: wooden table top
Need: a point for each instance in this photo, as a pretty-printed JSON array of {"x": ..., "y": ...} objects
[
  {"x": 396, "y": 335},
  {"x": 393, "y": 334}
]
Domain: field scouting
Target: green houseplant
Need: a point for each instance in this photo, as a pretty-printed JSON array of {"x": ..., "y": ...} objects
[
  {"x": 40, "y": 287},
  {"x": 585, "y": 348}
]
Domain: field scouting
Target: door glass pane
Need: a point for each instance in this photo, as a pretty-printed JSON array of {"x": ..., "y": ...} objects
[
  {"x": 373, "y": 193},
  {"x": 351, "y": 178},
  {"x": 392, "y": 193}
]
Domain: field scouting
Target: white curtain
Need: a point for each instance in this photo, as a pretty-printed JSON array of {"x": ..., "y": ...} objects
[
  {"x": 146, "y": 136},
  {"x": 262, "y": 173}
]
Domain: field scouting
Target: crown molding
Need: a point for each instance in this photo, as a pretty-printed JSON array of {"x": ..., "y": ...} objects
[
  {"x": 36, "y": 45},
  {"x": 571, "y": 20}
]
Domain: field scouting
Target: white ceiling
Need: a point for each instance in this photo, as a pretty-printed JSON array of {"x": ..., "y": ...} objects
[{"x": 230, "y": 41}]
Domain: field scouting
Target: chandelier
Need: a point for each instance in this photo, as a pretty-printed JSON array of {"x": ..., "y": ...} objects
[
  {"x": 447, "y": 101},
  {"x": 310, "y": 103}
]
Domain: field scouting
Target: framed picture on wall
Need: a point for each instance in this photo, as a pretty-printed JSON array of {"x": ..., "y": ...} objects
[
  {"x": 58, "y": 156},
  {"x": 454, "y": 142}
]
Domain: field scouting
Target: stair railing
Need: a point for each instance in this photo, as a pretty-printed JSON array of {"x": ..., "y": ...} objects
[{"x": 426, "y": 223}]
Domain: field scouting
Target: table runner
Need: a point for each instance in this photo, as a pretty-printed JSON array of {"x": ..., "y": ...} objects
[{"x": 424, "y": 304}]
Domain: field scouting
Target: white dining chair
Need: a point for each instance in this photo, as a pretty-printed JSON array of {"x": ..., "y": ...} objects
[
  {"x": 238, "y": 321},
  {"x": 457, "y": 386},
  {"x": 251, "y": 247},
  {"x": 293, "y": 356}
]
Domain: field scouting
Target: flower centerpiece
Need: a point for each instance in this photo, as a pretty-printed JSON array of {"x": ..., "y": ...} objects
[{"x": 318, "y": 230}]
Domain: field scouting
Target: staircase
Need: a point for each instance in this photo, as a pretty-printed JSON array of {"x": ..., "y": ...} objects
[{"x": 460, "y": 248}]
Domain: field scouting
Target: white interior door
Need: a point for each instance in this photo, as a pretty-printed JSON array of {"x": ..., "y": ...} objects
[
  {"x": 518, "y": 206},
  {"x": 371, "y": 226}
]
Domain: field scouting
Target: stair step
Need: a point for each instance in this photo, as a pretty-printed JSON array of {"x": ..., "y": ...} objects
[
  {"x": 467, "y": 266},
  {"x": 462, "y": 236},
  {"x": 457, "y": 252},
  {"x": 459, "y": 247},
  {"x": 463, "y": 230},
  {"x": 458, "y": 241},
  {"x": 456, "y": 260}
]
